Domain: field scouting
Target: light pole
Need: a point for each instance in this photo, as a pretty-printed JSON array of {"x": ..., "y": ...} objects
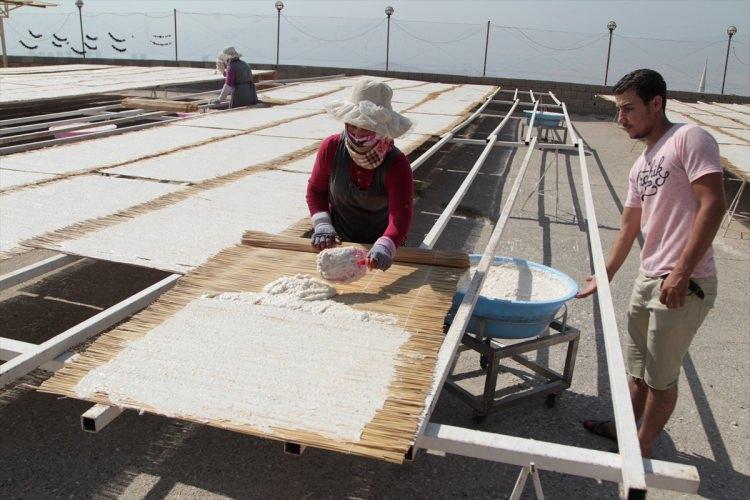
[
  {"x": 389, "y": 13},
  {"x": 279, "y": 5},
  {"x": 731, "y": 32},
  {"x": 79, "y": 4},
  {"x": 611, "y": 27}
]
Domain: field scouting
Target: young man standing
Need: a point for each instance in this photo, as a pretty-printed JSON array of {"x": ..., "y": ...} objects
[{"x": 676, "y": 199}]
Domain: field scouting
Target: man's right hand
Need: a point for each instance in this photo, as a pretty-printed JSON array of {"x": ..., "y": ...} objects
[
  {"x": 588, "y": 288},
  {"x": 324, "y": 236}
]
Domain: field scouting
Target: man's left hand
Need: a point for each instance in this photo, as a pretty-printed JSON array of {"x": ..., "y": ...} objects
[{"x": 674, "y": 289}]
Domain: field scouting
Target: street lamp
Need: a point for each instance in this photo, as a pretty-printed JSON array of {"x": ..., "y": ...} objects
[
  {"x": 79, "y": 4},
  {"x": 611, "y": 27},
  {"x": 279, "y": 5},
  {"x": 389, "y": 13},
  {"x": 731, "y": 31}
]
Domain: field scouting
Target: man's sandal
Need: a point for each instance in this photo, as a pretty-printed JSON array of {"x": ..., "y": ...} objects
[{"x": 600, "y": 428}]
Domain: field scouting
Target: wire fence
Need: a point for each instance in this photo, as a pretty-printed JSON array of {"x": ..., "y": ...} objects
[{"x": 415, "y": 46}]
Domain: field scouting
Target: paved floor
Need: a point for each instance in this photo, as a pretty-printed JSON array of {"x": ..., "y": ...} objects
[{"x": 43, "y": 452}]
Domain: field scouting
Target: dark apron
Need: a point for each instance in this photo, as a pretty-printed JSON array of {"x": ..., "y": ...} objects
[
  {"x": 358, "y": 215},
  {"x": 244, "y": 88}
]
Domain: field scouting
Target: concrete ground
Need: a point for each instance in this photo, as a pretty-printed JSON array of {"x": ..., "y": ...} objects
[{"x": 44, "y": 454}]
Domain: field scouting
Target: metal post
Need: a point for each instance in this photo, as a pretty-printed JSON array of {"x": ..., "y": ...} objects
[
  {"x": 730, "y": 31},
  {"x": 2, "y": 37},
  {"x": 79, "y": 4},
  {"x": 174, "y": 12},
  {"x": 486, "y": 45},
  {"x": 279, "y": 5},
  {"x": 611, "y": 27},
  {"x": 388, "y": 12}
]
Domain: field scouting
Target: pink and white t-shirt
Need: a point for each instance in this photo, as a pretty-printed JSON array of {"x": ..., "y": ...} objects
[{"x": 659, "y": 184}]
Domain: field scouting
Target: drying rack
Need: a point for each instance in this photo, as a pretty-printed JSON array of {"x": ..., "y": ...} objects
[{"x": 633, "y": 473}]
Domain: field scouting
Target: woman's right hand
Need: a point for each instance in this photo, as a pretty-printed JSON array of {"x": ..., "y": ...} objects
[
  {"x": 324, "y": 236},
  {"x": 588, "y": 288}
]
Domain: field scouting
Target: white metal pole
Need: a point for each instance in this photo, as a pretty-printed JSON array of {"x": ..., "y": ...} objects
[
  {"x": 174, "y": 13},
  {"x": 486, "y": 47},
  {"x": 569, "y": 125},
  {"x": 437, "y": 229},
  {"x": 98, "y": 417},
  {"x": 2, "y": 36},
  {"x": 531, "y": 122},
  {"x": 31, "y": 271},
  {"x": 633, "y": 475},
  {"x": 564, "y": 459},
  {"x": 450, "y": 345}
]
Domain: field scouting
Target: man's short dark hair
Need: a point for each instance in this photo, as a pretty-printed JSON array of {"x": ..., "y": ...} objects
[{"x": 646, "y": 83}]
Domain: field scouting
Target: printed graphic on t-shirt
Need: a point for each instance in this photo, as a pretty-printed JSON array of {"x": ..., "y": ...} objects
[{"x": 653, "y": 177}]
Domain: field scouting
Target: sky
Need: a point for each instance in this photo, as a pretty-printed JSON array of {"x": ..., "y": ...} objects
[{"x": 675, "y": 37}]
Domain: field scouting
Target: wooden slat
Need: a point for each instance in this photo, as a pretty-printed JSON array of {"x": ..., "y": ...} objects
[{"x": 404, "y": 255}]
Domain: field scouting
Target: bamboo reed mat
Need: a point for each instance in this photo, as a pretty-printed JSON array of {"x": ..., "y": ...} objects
[{"x": 417, "y": 289}]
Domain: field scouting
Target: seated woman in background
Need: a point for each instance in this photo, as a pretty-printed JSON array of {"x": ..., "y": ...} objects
[{"x": 238, "y": 86}]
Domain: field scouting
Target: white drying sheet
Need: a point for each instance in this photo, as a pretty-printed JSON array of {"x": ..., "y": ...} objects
[
  {"x": 443, "y": 106},
  {"x": 111, "y": 150},
  {"x": 38, "y": 210},
  {"x": 214, "y": 159},
  {"x": 409, "y": 142},
  {"x": 182, "y": 236},
  {"x": 53, "y": 68},
  {"x": 727, "y": 138},
  {"x": 85, "y": 82},
  {"x": 432, "y": 124},
  {"x": 303, "y": 165},
  {"x": 11, "y": 178},
  {"x": 227, "y": 358},
  {"x": 739, "y": 156},
  {"x": 318, "y": 103},
  {"x": 312, "y": 127},
  {"x": 717, "y": 121},
  {"x": 305, "y": 90},
  {"x": 742, "y": 108},
  {"x": 244, "y": 119}
]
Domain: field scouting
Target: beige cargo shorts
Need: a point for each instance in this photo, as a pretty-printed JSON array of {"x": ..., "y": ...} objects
[{"x": 659, "y": 337}]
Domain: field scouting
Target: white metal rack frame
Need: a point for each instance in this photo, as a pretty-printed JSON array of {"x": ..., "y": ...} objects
[{"x": 628, "y": 468}]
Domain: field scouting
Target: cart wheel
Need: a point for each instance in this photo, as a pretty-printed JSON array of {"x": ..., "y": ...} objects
[
  {"x": 550, "y": 401},
  {"x": 478, "y": 419}
]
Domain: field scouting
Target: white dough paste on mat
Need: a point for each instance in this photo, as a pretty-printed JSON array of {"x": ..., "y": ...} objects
[
  {"x": 300, "y": 286},
  {"x": 265, "y": 361}
]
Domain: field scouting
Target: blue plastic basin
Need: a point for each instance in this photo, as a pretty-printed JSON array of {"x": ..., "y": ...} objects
[
  {"x": 544, "y": 118},
  {"x": 514, "y": 319}
]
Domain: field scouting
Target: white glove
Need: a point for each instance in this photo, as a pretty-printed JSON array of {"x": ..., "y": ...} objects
[{"x": 226, "y": 91}]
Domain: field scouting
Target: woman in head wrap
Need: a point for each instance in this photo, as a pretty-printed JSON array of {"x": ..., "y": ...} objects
[
  {"x": 239, "y": 84},
  {"x": 361, "y": 187}
]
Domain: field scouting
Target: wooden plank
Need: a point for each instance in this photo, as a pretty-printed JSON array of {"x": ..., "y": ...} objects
[
  {"x": 403, "y": 254},
  {"x": 159, "y": 104}
]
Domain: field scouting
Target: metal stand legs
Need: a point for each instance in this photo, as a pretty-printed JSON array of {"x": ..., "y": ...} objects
[{"x": 492, "y": 352}]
